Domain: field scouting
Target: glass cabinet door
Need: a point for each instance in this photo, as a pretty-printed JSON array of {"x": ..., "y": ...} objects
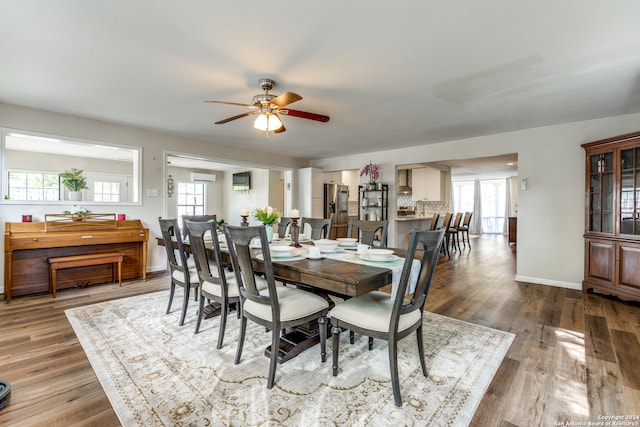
[
  {"x": 630, "y": 190},
  {"x": 601, "y": 193}
]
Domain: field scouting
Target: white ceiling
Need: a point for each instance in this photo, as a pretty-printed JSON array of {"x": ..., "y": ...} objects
[{"x": 389, "y": 74}]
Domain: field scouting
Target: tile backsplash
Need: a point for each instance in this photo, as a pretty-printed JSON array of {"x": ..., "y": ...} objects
[
  {"x": 405, "y": 200},
  {"x": 425, "y": 207}
]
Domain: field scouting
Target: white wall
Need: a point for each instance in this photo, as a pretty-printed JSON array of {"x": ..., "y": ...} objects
[
  {"x": 213, "y": 191},
  {"x": 550, "y": 211},
  {"x": 154, "y": 145}
]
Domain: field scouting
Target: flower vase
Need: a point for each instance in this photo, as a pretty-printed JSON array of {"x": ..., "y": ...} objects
[
  {"x": 269, "y": 229},
  {"x": 75, "y": 195},
  {"x": 373, "y": 186}
]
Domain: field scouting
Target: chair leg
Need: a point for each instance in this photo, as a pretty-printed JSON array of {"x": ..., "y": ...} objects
[
  {"x": 425, "y": 372},
  {"x": 224, "y": 309},
  {"x": 335, "y": 331},
  {"x": 185, "y": 304},
  {"x": 370, "y": 343},
  {"x": 243, "y": 328},
  {"x": 393, "y": 365},
  {"x": 322, "y": 324},
  {"x": 468, "y": 240},
  {"x": 352, "y": 337},
  {"x": 171, "y": 292},
  {"x": 200, "y": 310},
  {"x": 275, "y": 346}
]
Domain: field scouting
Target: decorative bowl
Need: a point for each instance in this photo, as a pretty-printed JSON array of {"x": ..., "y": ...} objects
[
  {"x": 326, "y": 245},
  {"x": 346, "y": 241},
  {"x": 281, "y": 251},
  {"x": 379, "y": 254}
]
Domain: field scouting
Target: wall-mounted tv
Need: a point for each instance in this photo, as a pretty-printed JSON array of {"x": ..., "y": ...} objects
[{"x": 241, "y": 181}]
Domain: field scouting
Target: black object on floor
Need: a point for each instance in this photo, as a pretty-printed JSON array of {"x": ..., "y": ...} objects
[{"x": 5, "y": 393}]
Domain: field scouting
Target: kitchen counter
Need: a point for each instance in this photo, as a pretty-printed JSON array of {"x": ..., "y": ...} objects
[
  {"x": 404, "y": 225},
  {"x": 412, "y": 218}
]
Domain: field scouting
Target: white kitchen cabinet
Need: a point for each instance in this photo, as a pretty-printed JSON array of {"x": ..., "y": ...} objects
[
  {"x": 311, "y": 192},
  {"x": 426, "y": 184}
]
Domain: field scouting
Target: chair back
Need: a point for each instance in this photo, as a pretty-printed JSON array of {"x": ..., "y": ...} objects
[
  {"x": 170, "y": 234},
  {"x": 283, "y": 226},
  {"x": 447, "y": 221},
  {"x": 434, "y": 222},
  {"x": 239, "y": 241},
  {"x": 366, "y": 231},
  {"x": 430, "y": 242},
  {"x": 199, "y": 232},
  {"x": 467, "y": 219},
  {"x": 456, "y": 222},
  {"x": 198, "y": 218},
  {"x": 320, "y": 227}
]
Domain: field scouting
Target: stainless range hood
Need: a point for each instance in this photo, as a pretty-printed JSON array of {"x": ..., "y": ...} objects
[{"x": 404, "y": 188}]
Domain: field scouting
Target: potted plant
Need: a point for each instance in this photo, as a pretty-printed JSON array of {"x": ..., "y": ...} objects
[
  {"x": 268, "y": 216},
  {"x": 75, "y": 182},
  {"x": 373, "y": 171}
]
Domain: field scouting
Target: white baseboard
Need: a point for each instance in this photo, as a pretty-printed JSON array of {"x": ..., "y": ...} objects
[
  {"x": 156, "y": 268},
  {"x": 557, "y": 283}
]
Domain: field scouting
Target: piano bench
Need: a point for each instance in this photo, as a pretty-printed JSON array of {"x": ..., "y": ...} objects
[{"x": 58, "y": 263}]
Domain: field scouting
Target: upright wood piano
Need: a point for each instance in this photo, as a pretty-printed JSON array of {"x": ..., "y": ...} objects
[{"x": 29, "y": 245}]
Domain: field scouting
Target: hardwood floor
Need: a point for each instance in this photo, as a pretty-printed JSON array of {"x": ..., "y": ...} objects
[{"x": 574, "y": 359}]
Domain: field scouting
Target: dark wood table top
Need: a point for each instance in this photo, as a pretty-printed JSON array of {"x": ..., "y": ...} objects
[{"x": 342, "y": 278}]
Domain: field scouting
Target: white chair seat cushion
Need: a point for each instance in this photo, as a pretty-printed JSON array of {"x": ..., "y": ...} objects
[
  {"x": 214, "y": 288},
  {"x": 191, "y": 263},
  {"x": 294, "y": 304},
  {"x": 193, "y": 277},
  {"x": 372, "y": 311}
]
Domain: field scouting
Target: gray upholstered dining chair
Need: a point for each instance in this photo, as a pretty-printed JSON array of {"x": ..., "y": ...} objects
[
  {"x": 277, "y": 307},
  {"x": 320, "y": 227},
  {"x": 367, "y": 231},
  {"x": 199, "y": 218},
  {"x": 216, "y": 282},
  {"x": 183, "y": 272},
  {"x": 283, "y": 226},
  {"x": 377, "y": 315}
]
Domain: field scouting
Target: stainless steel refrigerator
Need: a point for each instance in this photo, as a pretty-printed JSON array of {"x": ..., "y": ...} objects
[{"x": 336, "y": 203}]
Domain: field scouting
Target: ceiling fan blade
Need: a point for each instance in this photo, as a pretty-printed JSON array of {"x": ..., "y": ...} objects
[
  {"x": 304, "y": 115},
  {"x": 239, "y": 116},
  {"x": 231, "y": 103},
  {"x": 286, "y": 99},
  {"x": 281, "y": 128}
]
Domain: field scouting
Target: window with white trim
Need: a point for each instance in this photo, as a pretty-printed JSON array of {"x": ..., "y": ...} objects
[
  {"x": 33, "y": 185},
  {"x": 190, "y": 198}
]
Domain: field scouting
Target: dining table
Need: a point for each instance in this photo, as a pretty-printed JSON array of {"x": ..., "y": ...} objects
[{"x": 341, "y": 273}]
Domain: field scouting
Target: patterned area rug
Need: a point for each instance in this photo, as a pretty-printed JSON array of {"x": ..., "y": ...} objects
[{"x": 156, "y": 373}]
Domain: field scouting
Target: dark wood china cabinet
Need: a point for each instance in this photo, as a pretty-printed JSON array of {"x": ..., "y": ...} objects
[{"x": 612, "y": 232}]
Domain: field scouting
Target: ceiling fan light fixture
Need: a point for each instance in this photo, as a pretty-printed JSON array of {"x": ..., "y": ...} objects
[{"x": 267, "y": 122}]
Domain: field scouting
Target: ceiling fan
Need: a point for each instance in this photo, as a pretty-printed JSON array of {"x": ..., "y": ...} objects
[{"x": 269, "y": 106}]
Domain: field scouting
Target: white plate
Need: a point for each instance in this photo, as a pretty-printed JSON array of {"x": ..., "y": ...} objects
[
  {"x": 279, "y": 256},
  {"x": 348, "y": 245},
  {"x": 288, "y": 239},
  {"x": 367, "y": 257},
  {"x": 280, "y": 259},
  {"x": 314, "y": 258}
]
